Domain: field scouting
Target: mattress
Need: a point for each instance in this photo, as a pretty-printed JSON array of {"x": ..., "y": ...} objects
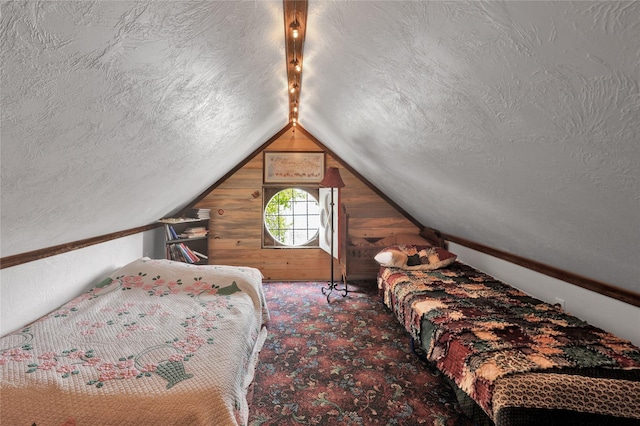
[
  {"x": 522, "y": 361},
  {"x": 157, "y": 342}
]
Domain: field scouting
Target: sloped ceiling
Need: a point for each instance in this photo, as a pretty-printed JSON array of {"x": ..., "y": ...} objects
[
  {"x": 513, "y": 124},
  {"x": 118, "y": 113}
]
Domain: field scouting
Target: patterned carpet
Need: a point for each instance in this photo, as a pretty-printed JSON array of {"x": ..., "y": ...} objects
[{"x": 347, "y": 362}]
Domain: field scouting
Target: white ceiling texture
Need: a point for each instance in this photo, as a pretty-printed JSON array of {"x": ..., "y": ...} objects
[{"x": 513, "y": 124}]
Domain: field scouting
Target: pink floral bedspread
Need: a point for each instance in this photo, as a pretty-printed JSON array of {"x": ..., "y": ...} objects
[{"x": 158, "y": 342}]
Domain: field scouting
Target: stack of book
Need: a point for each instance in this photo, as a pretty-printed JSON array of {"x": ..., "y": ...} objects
[
  {"x": 195, "y": 232},
  {"x": 199, "y": 213}
]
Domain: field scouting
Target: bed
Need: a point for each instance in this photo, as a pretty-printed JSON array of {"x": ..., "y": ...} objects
[
  {"x": 512, "y": 359},
  {"x": 356, "y": 253},
  {"x": 156, "y": 342}
]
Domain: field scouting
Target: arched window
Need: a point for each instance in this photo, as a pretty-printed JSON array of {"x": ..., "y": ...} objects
[{"x": 291, "y": 217}]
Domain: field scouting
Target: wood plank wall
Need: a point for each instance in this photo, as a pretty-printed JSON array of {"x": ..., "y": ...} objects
[{"x": 236, "y": 219}]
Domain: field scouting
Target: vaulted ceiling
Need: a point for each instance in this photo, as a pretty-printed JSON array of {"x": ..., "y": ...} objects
[{"x": 513, "y": 124}]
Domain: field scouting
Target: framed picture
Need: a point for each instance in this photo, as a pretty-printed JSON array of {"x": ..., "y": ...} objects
[{"x": 293, "y": 167}]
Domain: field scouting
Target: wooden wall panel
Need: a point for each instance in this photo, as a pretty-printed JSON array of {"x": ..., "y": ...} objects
[{"x": 236, "y": 219}]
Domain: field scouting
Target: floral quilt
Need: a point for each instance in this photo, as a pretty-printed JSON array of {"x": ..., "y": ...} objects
[
  {"x": 157, "y": 342},
  {"x": 506, "y": 349}
]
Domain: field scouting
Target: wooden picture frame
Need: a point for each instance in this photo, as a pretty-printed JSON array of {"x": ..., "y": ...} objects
[{"x": 293, "y": 167}]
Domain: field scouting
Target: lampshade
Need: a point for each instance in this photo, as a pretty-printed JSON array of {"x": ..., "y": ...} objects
[{"x": 332, "y": 179}]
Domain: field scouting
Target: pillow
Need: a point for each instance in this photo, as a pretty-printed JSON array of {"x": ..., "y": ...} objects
[
  {"x": 396, "y": 256},
  {"x": 432, "y": 258},
  {"x": 404, "y": 239},
  {"x": 415, "y": 257},
  {"x": 392, "y": 257}
]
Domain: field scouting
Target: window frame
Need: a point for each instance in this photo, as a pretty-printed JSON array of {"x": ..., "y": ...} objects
[{"x": 267, "y": 240}]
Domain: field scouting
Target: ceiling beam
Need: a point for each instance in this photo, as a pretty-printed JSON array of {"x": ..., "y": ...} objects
[{"x": 295, "y": 18}]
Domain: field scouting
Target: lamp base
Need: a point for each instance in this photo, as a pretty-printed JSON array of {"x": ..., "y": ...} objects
[{"x": 331, "y": 286}]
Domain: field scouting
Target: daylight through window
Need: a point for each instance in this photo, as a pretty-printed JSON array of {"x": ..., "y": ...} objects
[{"x": 292, "y": 217}]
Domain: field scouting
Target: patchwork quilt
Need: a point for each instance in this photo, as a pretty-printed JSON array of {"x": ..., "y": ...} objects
[
  {"x": 512, "y": 353},
  {"x": 157, "y": 342}
]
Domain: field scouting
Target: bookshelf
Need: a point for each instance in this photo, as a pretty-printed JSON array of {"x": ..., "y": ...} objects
[{"x": 187, "y": 239}]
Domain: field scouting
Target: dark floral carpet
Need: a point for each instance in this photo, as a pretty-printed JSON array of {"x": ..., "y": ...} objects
[{"x": 347, "y": 362}]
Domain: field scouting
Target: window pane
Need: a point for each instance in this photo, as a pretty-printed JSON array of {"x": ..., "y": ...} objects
[{"x": 292, "y": 217}]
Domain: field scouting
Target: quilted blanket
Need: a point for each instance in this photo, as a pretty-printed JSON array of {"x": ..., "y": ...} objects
[
  {"x": 506, "y": 349},
  {"x": 157, "y": 342}
]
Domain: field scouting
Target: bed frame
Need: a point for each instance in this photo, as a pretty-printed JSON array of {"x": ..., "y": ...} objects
[
  {"x": 512, "y": 359},
  {"x": 357, "y": 261}
]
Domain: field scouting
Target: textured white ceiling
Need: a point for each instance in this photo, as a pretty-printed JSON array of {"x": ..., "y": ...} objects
[
  {"x": 514, "y": 124},
  {"x": 117, "y": 113}
]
